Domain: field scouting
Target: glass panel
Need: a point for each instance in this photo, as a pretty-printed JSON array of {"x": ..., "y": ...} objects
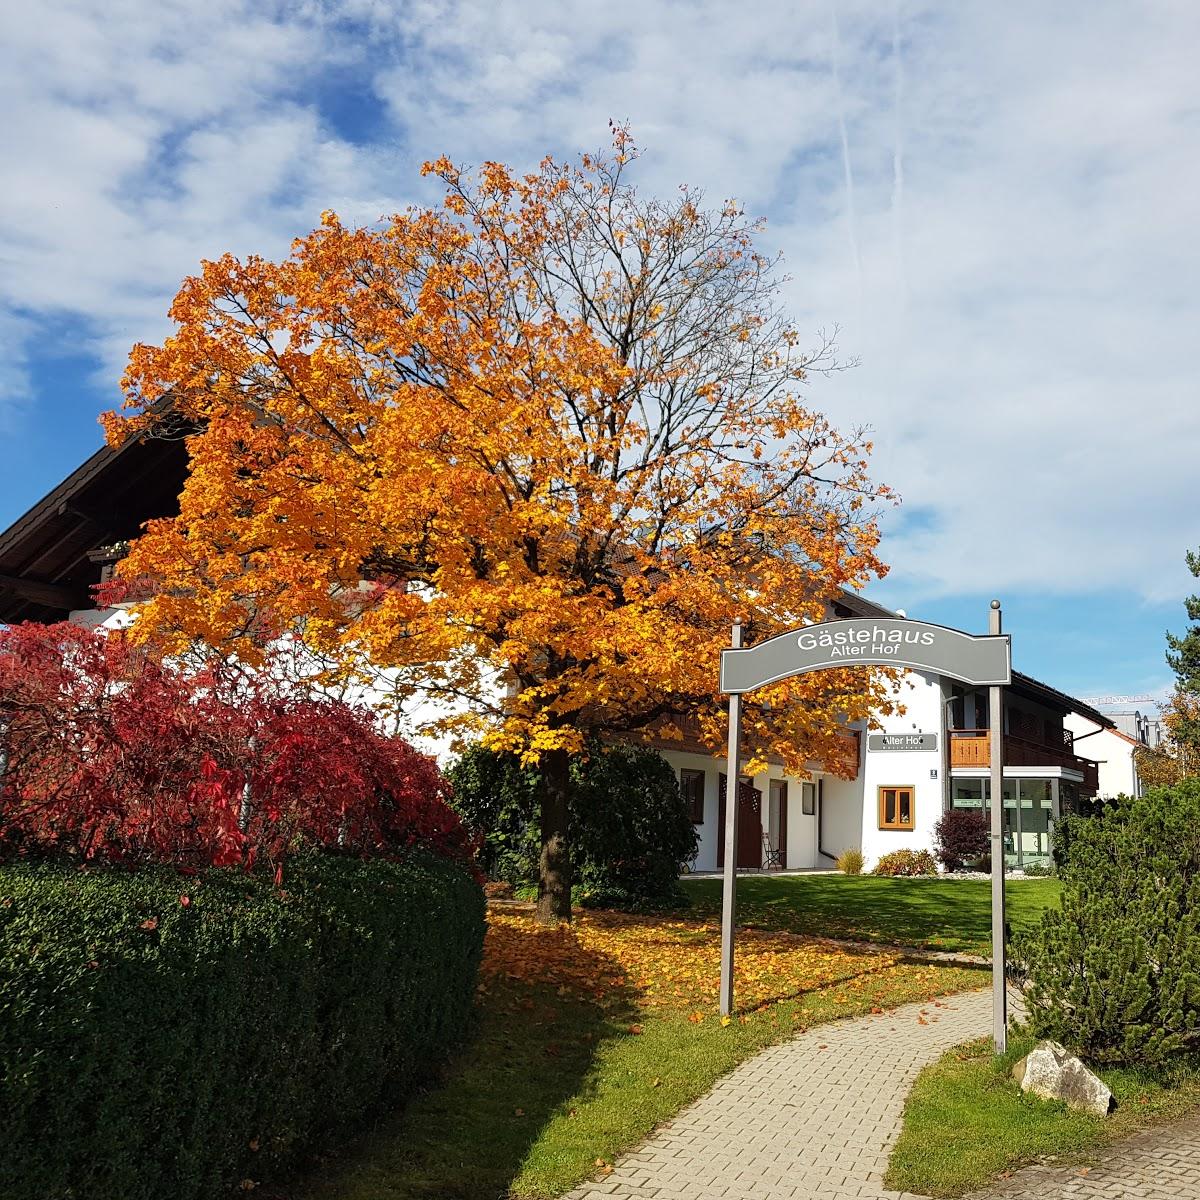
[
  {"x": 1037, "y": 802},
  {"x": 906, "y": 807},
  {"x": 968, "y": 793},
  {"x": 808, "y": 796},
  {"x": 889, "y": 806}
]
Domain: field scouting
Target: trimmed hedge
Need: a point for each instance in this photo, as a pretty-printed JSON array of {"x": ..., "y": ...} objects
[{"x": 171, "y": 1036}]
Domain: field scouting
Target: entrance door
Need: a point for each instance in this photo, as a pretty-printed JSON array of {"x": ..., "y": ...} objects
[
  {"x": 749, "y": 825},
  {"x": 779, "y": 818}
]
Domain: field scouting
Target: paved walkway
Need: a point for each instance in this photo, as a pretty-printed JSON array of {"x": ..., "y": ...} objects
[
  {"x": 1158, "y": 1164},
  {"x": 812, "y": 1117}
]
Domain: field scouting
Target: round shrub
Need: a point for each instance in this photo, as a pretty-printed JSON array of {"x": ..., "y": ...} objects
[
  {"x": 630, "y": 826},
  {"x": 172, "y": 1035},
  {"x": 906, "y": 862},
  {"x": 1114, "y": 973},
  {"x": 961, "y": 837}
]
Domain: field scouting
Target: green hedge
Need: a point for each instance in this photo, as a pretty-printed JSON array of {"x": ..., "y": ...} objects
[{"x": 166, "y": 1036}]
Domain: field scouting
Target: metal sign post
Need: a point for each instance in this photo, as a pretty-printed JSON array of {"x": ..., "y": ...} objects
[
  {"x": 732, "y": 796},
  {"x": 996, "y": 761},
  {"x": 981, "y": 661}
]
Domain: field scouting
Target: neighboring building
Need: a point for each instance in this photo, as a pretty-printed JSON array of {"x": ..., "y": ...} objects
[
  {"x": 1115, "y": 749},
  {"x": 909, "y": 773}
]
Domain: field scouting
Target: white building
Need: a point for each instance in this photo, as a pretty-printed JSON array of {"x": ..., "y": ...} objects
[{"x": 1115, "y": 749}]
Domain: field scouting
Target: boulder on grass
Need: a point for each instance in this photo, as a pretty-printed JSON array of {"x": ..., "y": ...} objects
[{"x": 1051, "y": 1072}]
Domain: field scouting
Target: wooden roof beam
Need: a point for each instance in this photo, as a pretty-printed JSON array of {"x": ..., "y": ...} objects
[{"x": 37, "y": 591}]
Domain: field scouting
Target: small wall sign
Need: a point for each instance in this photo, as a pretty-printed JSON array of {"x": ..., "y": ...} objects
[{"x": 902, "y": 741}]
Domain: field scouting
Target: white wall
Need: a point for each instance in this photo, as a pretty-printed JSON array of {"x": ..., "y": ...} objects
[
  {"x": 921, "y": 696},
  {"x": 801, "y": 829},
  {"x": 841, "y": 816},
  {"x": 1112, "y": 750}
]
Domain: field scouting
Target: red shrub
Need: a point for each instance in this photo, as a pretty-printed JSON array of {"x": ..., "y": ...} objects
[
  {"x": 109, "y": 754},
  {"x": 961, "y": 837}
]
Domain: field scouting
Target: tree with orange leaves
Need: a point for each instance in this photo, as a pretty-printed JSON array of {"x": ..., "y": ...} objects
[{"x": 532, "y": 452}]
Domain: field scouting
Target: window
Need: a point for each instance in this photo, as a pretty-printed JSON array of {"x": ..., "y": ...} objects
[
  {"x": 691, "y": 785},
  {"x": 895, "y": 808},
  {"x": 808, "y": 799}
]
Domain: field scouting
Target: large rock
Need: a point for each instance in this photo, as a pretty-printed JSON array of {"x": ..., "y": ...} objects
[{"x": 1049, "y": 1071}]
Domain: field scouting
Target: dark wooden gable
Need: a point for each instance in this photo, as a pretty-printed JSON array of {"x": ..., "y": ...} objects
[{"x": 48, "y": 561}]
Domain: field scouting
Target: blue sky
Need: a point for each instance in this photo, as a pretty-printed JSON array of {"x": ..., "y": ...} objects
[{"x": 994, "y": 203}]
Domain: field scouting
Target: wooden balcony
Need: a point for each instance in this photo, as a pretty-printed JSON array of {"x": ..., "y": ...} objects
[{"x": 972, "y": 748}]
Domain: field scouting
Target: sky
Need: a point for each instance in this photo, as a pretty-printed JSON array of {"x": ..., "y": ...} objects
[{"x": 994, "y": 204}]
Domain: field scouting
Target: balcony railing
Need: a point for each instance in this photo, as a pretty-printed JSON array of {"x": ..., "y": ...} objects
[{"x": 972, "y": 748}]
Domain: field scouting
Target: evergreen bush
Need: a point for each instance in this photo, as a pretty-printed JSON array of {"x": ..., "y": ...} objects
[
  {"x": 631, "y": 829},
  {"x": 177, "y": 1035},
  {"x": 1114, "y": 973}
]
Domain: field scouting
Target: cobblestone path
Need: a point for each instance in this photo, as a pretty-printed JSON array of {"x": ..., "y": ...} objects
[{"x": 813, "y": 1117}]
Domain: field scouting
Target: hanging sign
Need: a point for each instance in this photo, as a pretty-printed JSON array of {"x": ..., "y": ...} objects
[
  {"x": 902, "y": 741},
  {"x": 980, "y": 660}
]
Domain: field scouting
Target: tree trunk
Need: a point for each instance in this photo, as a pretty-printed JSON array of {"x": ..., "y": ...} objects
[{"x": 554, "y": 876}]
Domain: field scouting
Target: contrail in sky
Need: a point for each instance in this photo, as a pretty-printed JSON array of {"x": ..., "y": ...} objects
[
  {"x": 846, "y": 167},
  {"x": 898, "y": 155}
]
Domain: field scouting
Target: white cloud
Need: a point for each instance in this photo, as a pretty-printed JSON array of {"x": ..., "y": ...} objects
[{"x": 1020, "y": 284}]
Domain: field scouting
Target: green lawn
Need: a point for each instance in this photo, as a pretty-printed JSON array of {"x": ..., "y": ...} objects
[
  {"x": 966, "y": 1120},
  {"x": 940, "y": 914}
]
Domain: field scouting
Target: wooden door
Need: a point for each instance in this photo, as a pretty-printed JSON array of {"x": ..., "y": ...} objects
[
  {"x": 780, "y": 788},
  {"x": 749, "y": 826}
]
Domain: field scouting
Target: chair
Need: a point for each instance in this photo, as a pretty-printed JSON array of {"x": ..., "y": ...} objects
[{"x": 771, "y": 858}]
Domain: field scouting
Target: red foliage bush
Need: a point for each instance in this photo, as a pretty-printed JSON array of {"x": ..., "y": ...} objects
[
  {"x": 906, "y": 862},
  {"x": 108, "y": 754},
  {"x": 961, "y": 837}
]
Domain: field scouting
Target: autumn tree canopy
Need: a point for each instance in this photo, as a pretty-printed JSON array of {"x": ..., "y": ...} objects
[{"x": 555, "y": 426}]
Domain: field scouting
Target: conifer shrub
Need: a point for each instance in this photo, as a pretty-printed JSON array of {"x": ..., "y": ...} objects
[
  {"x": 183, "y": 1034},
  {"x": 1114, "y": 973},
  {"x": 906, "y": 862}
]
